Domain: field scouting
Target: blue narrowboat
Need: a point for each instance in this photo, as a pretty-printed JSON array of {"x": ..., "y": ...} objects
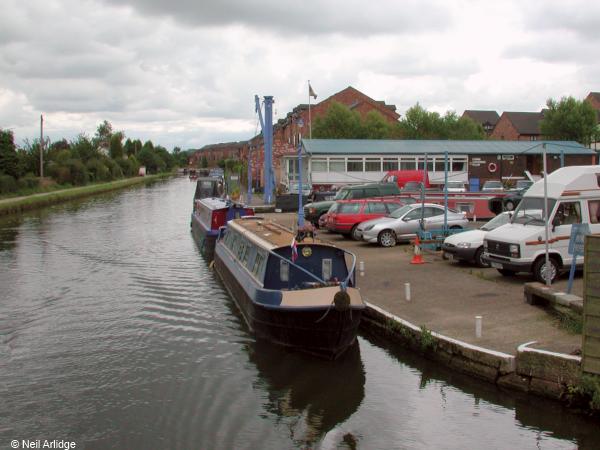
[
  {"x": 208, "y": 216},
  {"x": 300, "y": 295}
]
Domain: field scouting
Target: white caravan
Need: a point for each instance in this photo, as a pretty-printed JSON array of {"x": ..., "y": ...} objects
[{"x": 519, "y": 246}]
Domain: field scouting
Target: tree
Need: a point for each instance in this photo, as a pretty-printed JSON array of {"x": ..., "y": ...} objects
[
  {"x": 339, "y": 123},
  {"x": 569, "y": 119},
  {"x": 418, "y": 123},
  {"x": 9, "y": 161},
  {"x": 129, "y": 148},
  {"x": 116, "y": 147},
  {"x": 376, "y": 126},
  {"x": 103, "y": 135}
]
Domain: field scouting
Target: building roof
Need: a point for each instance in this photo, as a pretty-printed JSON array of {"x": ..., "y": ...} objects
[
  {"x": 433, "y": 147},
  {"x": 481, "y": 116},
  {"x": 595, "y": 96},
  {"x": 525, "y": 122}
]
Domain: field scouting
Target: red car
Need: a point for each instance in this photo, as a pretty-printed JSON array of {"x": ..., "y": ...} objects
[{"x": 345, "y": 216}]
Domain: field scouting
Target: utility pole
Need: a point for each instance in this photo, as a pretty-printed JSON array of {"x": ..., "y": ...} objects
[{"x": 41, "y": 146}]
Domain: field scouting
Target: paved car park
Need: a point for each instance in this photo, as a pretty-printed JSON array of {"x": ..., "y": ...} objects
[{"x": 446, "y": 296}]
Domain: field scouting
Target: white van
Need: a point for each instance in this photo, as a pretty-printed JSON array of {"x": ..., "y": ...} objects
[{"x": 519, "y": 246}]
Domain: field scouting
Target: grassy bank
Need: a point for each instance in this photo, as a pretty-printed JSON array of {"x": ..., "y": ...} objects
[{"x": 26, "y": 203}]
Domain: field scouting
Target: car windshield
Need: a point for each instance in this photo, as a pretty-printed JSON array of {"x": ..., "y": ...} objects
[
  {"x": 496, "y": 222},
  {"x": 531, "y": 211},
  {"x": 523, "y": 184},
  {"x": 342, "y": 194},
  {"x": 400, "y": 212}
]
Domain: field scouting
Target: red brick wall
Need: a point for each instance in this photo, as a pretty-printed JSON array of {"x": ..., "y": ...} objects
[
  {"x": 505, "y": 130},
  {"x": 593, "y": 101}
]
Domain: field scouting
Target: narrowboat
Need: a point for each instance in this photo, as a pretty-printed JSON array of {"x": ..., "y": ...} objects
[
  {"x": 208, "y": 216},
  {"x": 301, "y": 295}
]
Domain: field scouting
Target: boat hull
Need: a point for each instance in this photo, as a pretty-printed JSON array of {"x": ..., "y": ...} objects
[
  {"x": 205, "y": 239},
  {"x": 323, "y": 331}
]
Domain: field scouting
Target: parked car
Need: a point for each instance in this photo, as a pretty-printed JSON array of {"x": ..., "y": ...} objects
[
  {"x": 403, "y": 224},
  {"x": 312, "y": 211},
  {"x": 492, "y": 186},
  {"x": 456, "y": 186},
  {"x": 523, "y": 184},
  {"x": 468, "y": 245},
  {"x": 506, "y": 202},
  {"x": 348, "y": 214},
  {"x": 572, "y": 197},
  {"x": 403, "y": 177}
]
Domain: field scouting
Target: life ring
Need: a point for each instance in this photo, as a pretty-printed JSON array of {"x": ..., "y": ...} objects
[{"x": 492, "y": 167}]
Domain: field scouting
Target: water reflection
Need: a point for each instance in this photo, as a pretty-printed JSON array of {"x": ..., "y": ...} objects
[
  {"x": 308, "y": 395},
  {"x": 547, "y": 417},
  {"x": 9, "y": 231}
]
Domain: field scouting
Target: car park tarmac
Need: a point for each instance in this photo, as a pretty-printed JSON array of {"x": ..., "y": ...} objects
[{"x": 447, "y": 296}]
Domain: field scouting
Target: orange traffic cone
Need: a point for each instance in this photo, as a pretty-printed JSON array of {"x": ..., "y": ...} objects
[{"x": 417, "y": 258}]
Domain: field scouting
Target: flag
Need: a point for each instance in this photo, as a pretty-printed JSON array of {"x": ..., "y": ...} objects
[
  {"x": 294, "y": 249},
  {"x": 311, "y": 93}
]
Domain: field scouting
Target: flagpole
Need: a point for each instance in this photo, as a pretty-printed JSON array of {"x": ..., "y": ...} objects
[{"x": 309, "y": 121}]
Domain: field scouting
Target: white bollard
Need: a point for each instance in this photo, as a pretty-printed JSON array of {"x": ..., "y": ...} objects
[
  {"x": 478, "y": 320},
  {"x": 407, "y": 291},
  {"x": 361, "y": 268}
]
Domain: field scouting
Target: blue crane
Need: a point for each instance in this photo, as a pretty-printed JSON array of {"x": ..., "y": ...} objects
[{"x": 267, "y": 130}]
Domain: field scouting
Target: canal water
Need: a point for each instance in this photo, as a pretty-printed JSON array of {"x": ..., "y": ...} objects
[{"x": 114, "y": 333}]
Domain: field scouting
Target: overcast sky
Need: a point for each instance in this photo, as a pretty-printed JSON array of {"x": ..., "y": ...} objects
[{"x": 185, "y": 72}]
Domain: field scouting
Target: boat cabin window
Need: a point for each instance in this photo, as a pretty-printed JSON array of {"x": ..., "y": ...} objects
[
  {"x": 327, "y": 268},
  {"x": 259, "y": 263},
  {"x": 284, "y": 270}
]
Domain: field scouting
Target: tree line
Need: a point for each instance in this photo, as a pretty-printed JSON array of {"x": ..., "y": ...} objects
[
  {"x": 103, "y": 157},
  {"x": 566, "y": 119}
]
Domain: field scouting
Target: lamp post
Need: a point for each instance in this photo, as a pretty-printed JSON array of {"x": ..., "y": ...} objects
[
  {"x": 547, "y": 277},
  {"x": 300, "y": 124}
]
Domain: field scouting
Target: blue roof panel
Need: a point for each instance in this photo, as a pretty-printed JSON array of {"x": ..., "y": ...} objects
[{"x": 432, "y": 147}]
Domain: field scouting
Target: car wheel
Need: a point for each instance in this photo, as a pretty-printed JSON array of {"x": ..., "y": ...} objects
[
  {"x": 386, "y": 238},
  {"x": 506, "y": 272},
  {"x": 319, "y": 220},
  {"x": 479, "y": 258},
  {"x": 539, "y": 270},
  {"x": 509, "y": 205},
  {"x": 353, "y": 233}
]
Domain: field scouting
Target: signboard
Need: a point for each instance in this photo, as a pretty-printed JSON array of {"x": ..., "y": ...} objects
[
  {"x": 577, "y": 240},
  {"x": 576, "y": 247},
  {"x": 508, "y": 157},
  {"x": 234, "y": 178},
  {"x": 216, "y": 172}
]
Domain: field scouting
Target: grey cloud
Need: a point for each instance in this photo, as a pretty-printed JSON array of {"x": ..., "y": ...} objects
[{"x": 351, "y": 17}]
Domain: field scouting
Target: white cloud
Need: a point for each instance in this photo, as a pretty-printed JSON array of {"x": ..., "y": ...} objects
[{"x": 185, "y": 73}]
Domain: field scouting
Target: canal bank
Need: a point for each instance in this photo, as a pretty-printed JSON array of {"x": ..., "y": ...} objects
[
  {"x": 521, "y": 346},
  {"x": 17, "y": 205}
]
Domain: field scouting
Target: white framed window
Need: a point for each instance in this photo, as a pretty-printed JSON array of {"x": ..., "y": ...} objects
[
  {"x": 355, "y": 165},
  {"x": 390, "y": 164},
  {"x": 372, "y": 164},
  {"x": 408, "y": 163},
  {"x": 337, "y": 165},
  {"x": 318, "y": 165}
]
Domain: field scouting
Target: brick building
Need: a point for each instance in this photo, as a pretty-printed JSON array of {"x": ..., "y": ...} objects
[
  {"x": 287, "y": 134},
  {"x": 518, "y": 126},
  {"x": 487, "y": 119}
]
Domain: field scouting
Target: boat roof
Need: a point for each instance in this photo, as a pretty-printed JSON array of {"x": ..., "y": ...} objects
[
  {"x": 570, "y": 180},
  {"x": 269, "y": 234},
  {"x": 214, "y": 202}
]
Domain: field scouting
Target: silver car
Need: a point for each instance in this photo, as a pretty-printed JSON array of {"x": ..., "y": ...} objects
[{"x": 403, "y": 224}]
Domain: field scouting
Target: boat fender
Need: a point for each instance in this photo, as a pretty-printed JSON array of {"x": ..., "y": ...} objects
[
  {"x": 212, "y": 264},
  {"x": 341, "y": 301}
]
